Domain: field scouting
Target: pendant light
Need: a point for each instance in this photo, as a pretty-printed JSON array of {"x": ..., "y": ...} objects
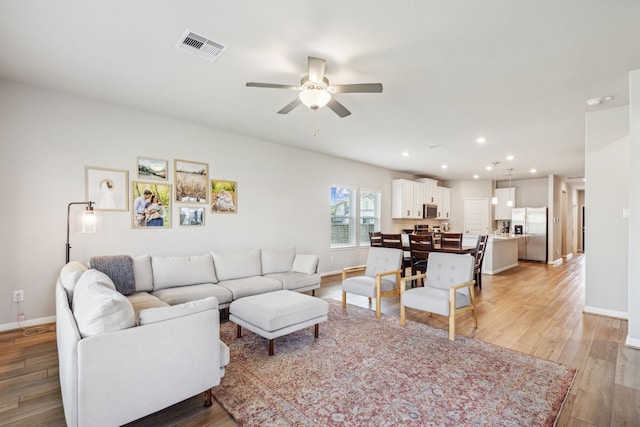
[
  {"x": 510, "y": 202},
  {"x": 494, "y": 199}
]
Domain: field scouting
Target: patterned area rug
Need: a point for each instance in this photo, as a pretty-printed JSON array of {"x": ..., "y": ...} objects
[{"x": 367, "y": 372}]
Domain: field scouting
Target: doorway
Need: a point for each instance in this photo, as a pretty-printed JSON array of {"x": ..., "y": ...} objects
[{"x": 476, "y": 216}]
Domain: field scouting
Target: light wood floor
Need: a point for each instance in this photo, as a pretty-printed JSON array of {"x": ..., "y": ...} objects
[{"x": 534, "y": 308}]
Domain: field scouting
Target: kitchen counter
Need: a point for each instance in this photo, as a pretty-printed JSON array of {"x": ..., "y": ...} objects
[{"x": 501, "y": 253}]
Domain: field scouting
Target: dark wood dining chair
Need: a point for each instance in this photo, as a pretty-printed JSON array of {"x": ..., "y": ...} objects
[
  {"x": 375, "y": 238},
  {"x": 421, "y": 245},
  {"x": 451, "y": 241},
  {"x": 481, "y": 247},
  {"x": 395, "y": 241}
]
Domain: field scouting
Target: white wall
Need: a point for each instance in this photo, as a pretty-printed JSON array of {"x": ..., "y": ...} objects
[
  {"x": 48, "y": 138},
  {"x": 606, "y": 194},
  {"x": 633, "y": 337}
]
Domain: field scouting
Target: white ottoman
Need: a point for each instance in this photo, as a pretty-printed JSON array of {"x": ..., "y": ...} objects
[{"x": 278, "y": 313}]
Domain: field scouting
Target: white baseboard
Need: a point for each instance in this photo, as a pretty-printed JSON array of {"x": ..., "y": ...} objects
[
  {"x": 498, "y": 270},
  {"x": 632, "y": 342},
  {"x": 607, "y": 313},
  {"x": 27, "y": 323}
]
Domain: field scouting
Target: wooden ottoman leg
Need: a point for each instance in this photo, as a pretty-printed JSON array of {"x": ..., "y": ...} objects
[
  {"x": 316, "y": 330},
  {"x": 271, "y": 347},
  {"x": 207, "y": 398},
  {"x": 239, "y": 331}
]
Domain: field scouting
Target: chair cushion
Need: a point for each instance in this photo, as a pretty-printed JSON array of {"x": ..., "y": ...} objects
[
  {"x": 98, "y": 308},
  {"x": 237, "y": 264},
  {"x": 277, "y": 260},
  {"x": 382, "y": 260},
  {"x": 445, "y": 270},
  {"x": 432, "y": 300},
  {"x": 366, "y": 286},
  {"x": 169, "y": 272}
]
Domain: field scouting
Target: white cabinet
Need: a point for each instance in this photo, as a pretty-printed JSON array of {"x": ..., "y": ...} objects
[
  {"x": 444, "y": 203},
  {"x": 407, "y": 198},
  {"x": 430, "y": 190},
  {"x": 502, "y": 211}
]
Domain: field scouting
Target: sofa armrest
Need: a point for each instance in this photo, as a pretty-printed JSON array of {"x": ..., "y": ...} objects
[
  {"x": 147, "y": 368},
  {"x": 159, "y": 314}
]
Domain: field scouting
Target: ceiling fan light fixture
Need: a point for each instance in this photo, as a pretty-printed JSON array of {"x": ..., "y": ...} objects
[{"x": 314, "y": 97}]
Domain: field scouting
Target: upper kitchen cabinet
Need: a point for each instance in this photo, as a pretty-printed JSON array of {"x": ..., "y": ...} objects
[
  {"x": 444, "y": 203},
  {"x": 407, "y": 198},
  {"x": 430, "y": 190},
  {"x": 502, "y": 211}
]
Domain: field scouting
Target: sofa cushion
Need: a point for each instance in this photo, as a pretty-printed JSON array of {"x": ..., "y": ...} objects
[
  {"x": 153, "y": 315},
  {"x": 277, "y": 260},
  {"x": 237, "y": 264},
  {"x": 305, "y": 264},
  {"x": 119, "y": 268},
  {"x": 182, "y": 294},
  {"x": 293, "y": 281},
  {"x": 69, "y": 276},
  {"x": 98, "y": 307},
  {"x": 169, "y": 272},
  {"x": 143, "y": 273},
  {"x": 251, "y": 286},
  {"x": 143, "y": 300}
]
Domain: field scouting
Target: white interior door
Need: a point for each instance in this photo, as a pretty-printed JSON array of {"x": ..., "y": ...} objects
[{"x": 476, "y": 216}]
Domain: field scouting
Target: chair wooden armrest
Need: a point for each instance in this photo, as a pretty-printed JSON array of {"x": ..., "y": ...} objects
[
  {"x": 388, "y": 273},
  {"x": 404, "y": 280},
  {"x": 463, "y": 284},
  {"x": 352, "y": 270}
]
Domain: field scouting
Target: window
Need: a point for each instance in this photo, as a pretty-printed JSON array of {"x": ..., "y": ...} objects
[
  {"x": 350, "y": 225},
  {"x": 369, "y": 214},
  {"x": 342, "y": 217}
]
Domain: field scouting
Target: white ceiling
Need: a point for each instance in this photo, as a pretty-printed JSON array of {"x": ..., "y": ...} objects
[{"x": 515, "y": 72}]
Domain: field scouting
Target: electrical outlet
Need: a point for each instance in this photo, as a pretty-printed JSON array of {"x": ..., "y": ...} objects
[
  {"x": 18, "y": 296},
  {"x": 21, "y": 317}
]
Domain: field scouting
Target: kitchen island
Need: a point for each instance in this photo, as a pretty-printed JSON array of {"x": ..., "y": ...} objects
[{"x": 501, "y": 253}]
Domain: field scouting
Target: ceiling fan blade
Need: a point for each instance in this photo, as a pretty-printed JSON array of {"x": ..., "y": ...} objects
[
  {"x": 290, "y": 106},
  {"x": 359, "y": 88},
  {"x": 316, "y": 69},
  {"x": 338, "y": 108},
  {"x": 271, "y": 85}
]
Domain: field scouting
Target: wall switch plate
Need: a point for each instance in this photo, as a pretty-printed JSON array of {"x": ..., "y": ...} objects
[
  {"x": 625, "y": 213},
  {"x": 18, "y": 296}
]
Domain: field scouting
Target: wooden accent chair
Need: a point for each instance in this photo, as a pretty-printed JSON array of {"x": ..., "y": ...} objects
[
  {"x": 481, "y": 247},
  {"x": 451, "y": 241},
  {"x": 448, "y": 289},
  {"x": 374, "y": 283},
  {"x": 375, "y": 238}
]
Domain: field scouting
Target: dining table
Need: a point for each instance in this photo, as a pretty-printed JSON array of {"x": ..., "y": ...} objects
[{"x": 436, "y": 247}]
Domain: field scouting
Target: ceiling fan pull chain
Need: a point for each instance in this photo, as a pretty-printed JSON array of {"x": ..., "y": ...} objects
[{"x": 315, "y": 132}]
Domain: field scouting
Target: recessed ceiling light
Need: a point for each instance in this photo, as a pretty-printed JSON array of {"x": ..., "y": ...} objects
[
  {"x": 481, "y": 140},
  {"x": 476, "y": 176},
  {"x": 443, "y": 166},
  {"x": 510, "y": 157},
  {"x": 488, "y": 168},
  {"x": 405, "y": 153},
  {"x": 533, "y": 171}
]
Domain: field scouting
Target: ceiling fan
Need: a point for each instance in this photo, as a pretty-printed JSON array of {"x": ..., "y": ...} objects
[{"x": 316, "y": 92}]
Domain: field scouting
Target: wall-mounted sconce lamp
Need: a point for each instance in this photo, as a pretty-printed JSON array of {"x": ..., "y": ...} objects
[{"x": 88, "y": 221}]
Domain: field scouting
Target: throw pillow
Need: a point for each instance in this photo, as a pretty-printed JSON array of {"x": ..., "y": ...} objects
[{"x": 305, "y": 264}]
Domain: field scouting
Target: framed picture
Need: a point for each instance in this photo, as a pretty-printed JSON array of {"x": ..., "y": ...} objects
[
  {"x": 151, "y": 205},
  {"x": 108, "y": 188},
  {"x": 224, "y": 196},
  {"x": 153, "y": 169},
  {"x": 191, "y": 181},
  {"x": 191, "y": 215}
]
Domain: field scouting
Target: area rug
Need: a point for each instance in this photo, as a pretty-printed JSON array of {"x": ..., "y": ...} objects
[{"x": 367, "y": 372}]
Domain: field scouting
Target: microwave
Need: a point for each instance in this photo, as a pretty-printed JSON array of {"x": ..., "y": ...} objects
[{"x": 430, "y": 211}]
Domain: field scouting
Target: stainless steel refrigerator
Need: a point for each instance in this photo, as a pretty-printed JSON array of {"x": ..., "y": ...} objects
[{"x": 532, "y": 222}]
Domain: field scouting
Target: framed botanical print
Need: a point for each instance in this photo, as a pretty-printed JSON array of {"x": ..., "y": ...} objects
[
  {"x": 191, "y": 181},
  {"x": 151, "y": 205},
  {"x": 107, "y": 188},
  {"x": 224, "y": 196},
  {"x": 153, "y": 169}
]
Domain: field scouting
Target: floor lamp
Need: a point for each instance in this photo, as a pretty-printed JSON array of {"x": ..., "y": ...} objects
[{"x": 88, "y": 221}]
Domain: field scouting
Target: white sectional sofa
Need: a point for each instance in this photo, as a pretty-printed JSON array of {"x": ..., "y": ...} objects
[{"x": 123, "y": 356}]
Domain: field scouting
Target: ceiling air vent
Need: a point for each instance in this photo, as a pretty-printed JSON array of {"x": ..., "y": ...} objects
[{"x": 200, "y": 46}]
